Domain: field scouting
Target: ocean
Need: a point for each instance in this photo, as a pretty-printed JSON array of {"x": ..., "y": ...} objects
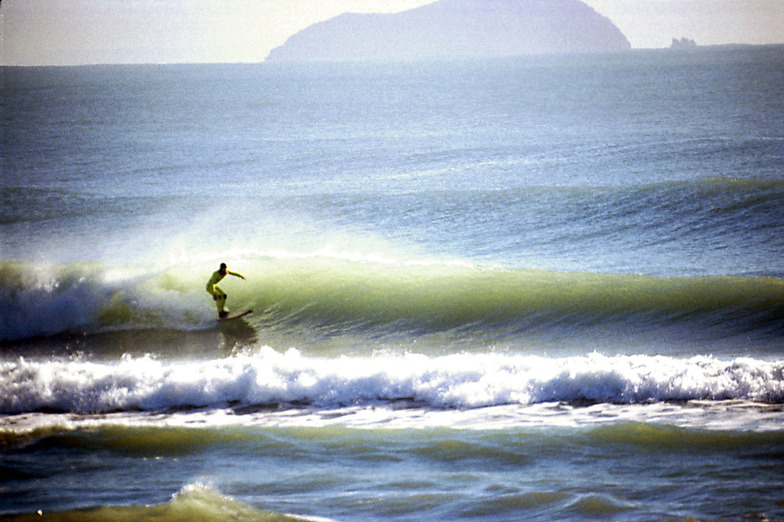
[{"x": 544, "y": 287}]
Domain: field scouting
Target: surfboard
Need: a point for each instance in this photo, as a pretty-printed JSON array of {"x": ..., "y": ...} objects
[{"x": 232, "y": 317}]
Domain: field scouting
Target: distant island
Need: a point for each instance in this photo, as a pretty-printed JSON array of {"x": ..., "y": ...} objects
[
  {"x": 682, "y": 43},
  {"x": 457, "y": 28}
]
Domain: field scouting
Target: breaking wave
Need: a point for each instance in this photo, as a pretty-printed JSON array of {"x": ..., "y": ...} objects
[
  {"x": 269, "y": 378},
  {"x": 334, "y": 294}
]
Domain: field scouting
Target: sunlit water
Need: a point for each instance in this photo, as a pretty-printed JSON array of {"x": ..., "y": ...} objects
[{"x": 545, "y": 287}]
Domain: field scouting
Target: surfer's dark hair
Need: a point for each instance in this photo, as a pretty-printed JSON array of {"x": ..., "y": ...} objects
[{"x": 223, "y": 266}]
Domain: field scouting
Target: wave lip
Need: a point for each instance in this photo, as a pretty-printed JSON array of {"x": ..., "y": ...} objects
[{"x": 451, "y": 381}]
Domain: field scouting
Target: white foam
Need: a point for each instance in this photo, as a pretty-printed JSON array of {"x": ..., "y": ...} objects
[
  {"x": 46, "y": 300},
  {"x": 443, "y": 382}
]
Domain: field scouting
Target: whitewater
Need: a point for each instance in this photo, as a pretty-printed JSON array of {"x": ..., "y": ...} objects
[
  {"x": 523, "y": 288},
  {"x": 449, "y": 381}
]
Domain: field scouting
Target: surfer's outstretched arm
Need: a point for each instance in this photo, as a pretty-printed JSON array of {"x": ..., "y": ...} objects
[{"x": 235, "y": 274}]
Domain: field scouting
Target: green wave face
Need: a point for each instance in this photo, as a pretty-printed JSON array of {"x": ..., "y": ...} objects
[{"x": 332, "y": 296}]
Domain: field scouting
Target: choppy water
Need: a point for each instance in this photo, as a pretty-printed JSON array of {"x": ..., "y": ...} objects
[{"x": 547, "y": 287}]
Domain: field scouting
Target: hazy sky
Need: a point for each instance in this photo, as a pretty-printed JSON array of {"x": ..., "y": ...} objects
[{"x": 65, "y": 32}]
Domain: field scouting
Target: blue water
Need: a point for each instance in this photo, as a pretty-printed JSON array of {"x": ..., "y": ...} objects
[{"x": 542, "y": 287}]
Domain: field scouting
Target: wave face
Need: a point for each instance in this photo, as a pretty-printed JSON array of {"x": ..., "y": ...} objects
[
  {"x": 333, "y": 294},
  {"x": 451, "y": 381}
]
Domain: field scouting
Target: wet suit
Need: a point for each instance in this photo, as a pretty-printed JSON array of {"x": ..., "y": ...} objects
[{"x": 216, "y": 292}]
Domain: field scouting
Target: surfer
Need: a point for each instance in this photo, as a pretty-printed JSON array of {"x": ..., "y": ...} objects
[{"x": 218, "y": 295}]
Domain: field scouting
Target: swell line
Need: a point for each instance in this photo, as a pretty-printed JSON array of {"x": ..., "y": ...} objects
[{"x": 339, "y": 295}]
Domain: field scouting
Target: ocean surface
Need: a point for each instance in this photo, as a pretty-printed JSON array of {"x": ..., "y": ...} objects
[{"x": 523, "y": 288}]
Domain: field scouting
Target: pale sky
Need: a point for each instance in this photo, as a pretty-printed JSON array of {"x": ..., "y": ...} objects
[{"x": 71, "y": 32}]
